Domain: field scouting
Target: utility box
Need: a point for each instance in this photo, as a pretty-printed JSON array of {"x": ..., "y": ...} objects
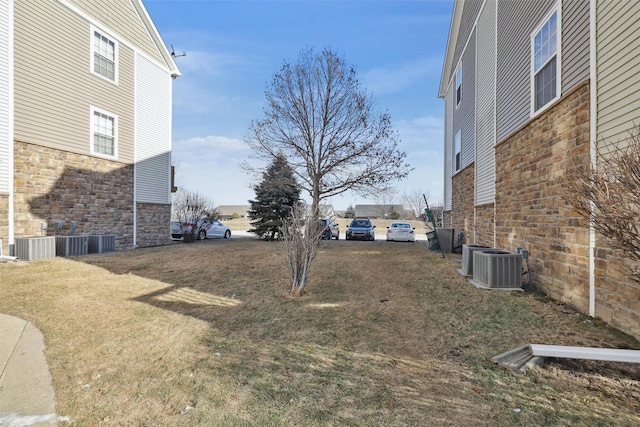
[
  {"x": 445, "y": 238},
  {"x": 33, "y": 248}
]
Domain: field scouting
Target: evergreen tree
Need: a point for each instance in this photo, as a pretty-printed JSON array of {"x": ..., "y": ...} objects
[
  {"x": 350, "y": 213},
  {"x": 275, "y": 197}
]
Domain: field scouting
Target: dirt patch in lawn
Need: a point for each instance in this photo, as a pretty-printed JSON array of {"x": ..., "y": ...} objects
[{"x": 387, "y": 334}]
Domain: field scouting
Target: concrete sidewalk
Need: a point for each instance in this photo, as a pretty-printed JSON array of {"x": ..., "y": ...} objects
[{"x": 26, "y": 390}]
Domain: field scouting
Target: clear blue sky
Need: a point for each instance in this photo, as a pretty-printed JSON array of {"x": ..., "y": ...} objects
[{"x": 234, "y": 48}]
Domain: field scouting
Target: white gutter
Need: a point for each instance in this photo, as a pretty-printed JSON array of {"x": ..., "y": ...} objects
[
  {"x": 522, "y": 358},
  {"x": 593, "y": 149},
  {"x": 586, "y": 353}
]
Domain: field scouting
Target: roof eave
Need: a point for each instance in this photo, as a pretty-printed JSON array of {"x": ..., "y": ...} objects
[
  {"x": 157, "y": 38},
  {"x": 452, "y": 38}
]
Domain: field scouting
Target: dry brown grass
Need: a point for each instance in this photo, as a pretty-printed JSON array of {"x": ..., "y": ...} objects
[
  {"x": 387, "y": 334},
  {"x": 381, "y": 225}
]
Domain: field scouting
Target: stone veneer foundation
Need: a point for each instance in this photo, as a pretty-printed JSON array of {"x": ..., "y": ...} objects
[
  {"x": 530, "y": 210},
  {"x": 52, "y": 186},
  {"x": 463, "y": 192},
  {"x": 4, "y": 223},
  {"x": 153, "y": 224},
  {"x": 531, "y": 213},
  {"x": 484, "y": 226}
]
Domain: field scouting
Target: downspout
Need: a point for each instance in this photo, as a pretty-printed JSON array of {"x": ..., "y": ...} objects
[
  {"x": 135, "y": 205},
  {"x": 495, "y": 122},
  {"x": 475, "y": 134},
  {"x": 10, "y": 135},
  {"x": 135, "y": 149},
  {"x": 593, "y": 148}
]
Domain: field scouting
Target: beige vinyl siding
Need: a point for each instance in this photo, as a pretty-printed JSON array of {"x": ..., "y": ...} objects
[
  {"x": 470, "y": 11},
  {"x": 153, "y": 132},
  {"x": 618, "y": 56},
  {"x": 464, "y": 113},
  {"x": 448, "y": 146},
  {"x": 122, "y": 19},
  {"x": 54, "y": 86},
  {"x": 575, "y": 43},
  {"x": 485, "y": 112},
  {"x": 516, "y": 22},
  {"x": 5, "y": 97}
]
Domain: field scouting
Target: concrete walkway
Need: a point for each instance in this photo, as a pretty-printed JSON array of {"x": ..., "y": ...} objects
[{"x": 26, "y": 390}]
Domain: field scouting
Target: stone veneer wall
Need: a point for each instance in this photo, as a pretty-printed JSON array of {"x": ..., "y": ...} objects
[
  {"x": 530, "y": 211},
  {"x": 617, "y": 294},
  {"x": 484, "y": 226},
  {"x": 463, "y": 191},
  {"x": 4, "y": 223},
  {"x": 153, "y": 224},
  {"x": 58, "y": 186}
]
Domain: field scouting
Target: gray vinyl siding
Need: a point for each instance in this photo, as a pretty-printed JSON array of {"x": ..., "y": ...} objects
[
  {"x": 618, "y": 56},
  {"x": 485, "y": 112},
  {"x": 448, "y": 146},
  {"x": 153, "y": 132},
  {"x": 5, "y": 97},
  {"x": 470, "y": 11},
  {"x": 516, "y": 22},
  {"x": 575, "y": 43},
  {"x": 54, "y": 87},
  {"x": 121, "y": 17},
  {"x": 464, "y": 113}
]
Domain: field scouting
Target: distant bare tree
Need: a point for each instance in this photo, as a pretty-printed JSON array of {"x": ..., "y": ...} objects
[
  {"x": 195, "y": 213},
  {"x": 301, "y": 237},
  {"x": 319, "y": 115},
  {"x": 384, "y": 199},
  {"x": 414, "y": 200},
  {"x": 608, "y": 196}
]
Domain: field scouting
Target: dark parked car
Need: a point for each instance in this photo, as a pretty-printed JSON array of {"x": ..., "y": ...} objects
[
  {"x": 330, "y": 230},
  {"x": 361, "y": 229}
]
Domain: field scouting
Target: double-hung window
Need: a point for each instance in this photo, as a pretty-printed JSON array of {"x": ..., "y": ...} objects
[
  {"x": 546, "y": 63},
  {"x": 457, "y": 150},
  {"x": 104, "y": 133},
  {"x": 459, "y": 84},
  {"x": 104, "y": 55}
]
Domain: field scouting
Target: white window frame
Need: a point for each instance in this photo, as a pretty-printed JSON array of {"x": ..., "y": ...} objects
[
  {"x": 92, "y": 121},
  {"x": 458, "y": 92},
  {"x": 457, "y": 151},
  {"x": 95, "y": 30},
  {"x": 557, "y": 55}
]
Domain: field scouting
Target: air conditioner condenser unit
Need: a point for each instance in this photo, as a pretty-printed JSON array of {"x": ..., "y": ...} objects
[
  {"x": 467, "y": 257},
  {"x": 497, "y": 269}
]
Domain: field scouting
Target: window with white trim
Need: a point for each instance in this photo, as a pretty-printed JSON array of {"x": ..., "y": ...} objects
[
  {"x": 104, "y": 56},
  {"x": 545, "y": 84},
  {"x": 104, "y": 133},
  {"x": 456, "y": 150},
  {"x": 459, "y": 84}
]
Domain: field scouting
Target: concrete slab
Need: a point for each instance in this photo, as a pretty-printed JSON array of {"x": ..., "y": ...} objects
[{"x": 26, "y": 389}]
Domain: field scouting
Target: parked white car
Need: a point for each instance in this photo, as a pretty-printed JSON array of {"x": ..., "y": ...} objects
[
  {"x": 215, "y": 230},
  {"x": 401, "y": 232}
]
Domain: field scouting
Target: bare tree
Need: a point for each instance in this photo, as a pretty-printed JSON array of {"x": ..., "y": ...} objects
[
  {"x": 301, "y": 237},
  {"x": 328, "y": 127},
  {"x": 415, "y": 201},
  {"x": 195, "y": 213},
  {"x": 608, "y": 196},
  {"x": 384, "y": 199}
]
